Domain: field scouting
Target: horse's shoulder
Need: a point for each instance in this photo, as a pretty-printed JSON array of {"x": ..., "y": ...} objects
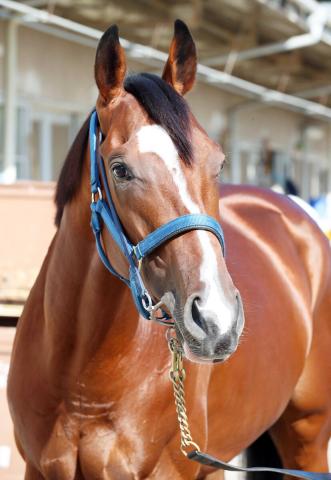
[
  {"x": 245, "y": 199},
  {"x": 259, "y": 214},
  {"x": 251, "y": 194},
  {"x": 274, "y": 215}
]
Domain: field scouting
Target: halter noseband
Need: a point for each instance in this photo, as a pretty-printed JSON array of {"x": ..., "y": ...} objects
[{"x": 104, "y": 212}]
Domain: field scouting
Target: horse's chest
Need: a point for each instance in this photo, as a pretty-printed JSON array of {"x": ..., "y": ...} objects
[{"x": 100, "y": 446}]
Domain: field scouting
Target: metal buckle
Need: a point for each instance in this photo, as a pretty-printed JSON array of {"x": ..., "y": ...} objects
[
  {"x": 152, "y": 309},
  {"x": 168, "y": 322},
  {"x": 140, "y": 260},
  {"x": 93, "y": 194}
]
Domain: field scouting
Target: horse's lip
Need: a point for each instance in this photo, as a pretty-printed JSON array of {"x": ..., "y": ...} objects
[
  {"x": 219, "y": 360},
  {"x": 192, "y": 356},
  {"x": 197, "y": 359}
]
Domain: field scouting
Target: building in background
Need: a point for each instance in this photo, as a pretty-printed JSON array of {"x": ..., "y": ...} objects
[{"x": 274, "y": 125}]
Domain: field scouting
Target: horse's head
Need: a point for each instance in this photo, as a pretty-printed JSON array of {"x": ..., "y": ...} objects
[{"x": 161, "y": 164}]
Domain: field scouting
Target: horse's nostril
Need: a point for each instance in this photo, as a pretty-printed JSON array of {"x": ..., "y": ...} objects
[{"x": 196, "y": 314}]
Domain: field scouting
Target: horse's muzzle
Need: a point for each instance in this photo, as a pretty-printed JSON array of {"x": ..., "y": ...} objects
[{"x": 210, "y": 331}]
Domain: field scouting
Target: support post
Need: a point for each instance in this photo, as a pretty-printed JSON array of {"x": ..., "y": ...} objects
[
  {"x": 306, "y": 173},
  {"x": 9, "y": 173},
  {"x": 235, "y": 176},
  {"x": 45, "y": 149}
]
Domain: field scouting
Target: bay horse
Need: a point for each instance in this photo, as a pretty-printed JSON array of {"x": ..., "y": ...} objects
[{"x": 88, "y": 386}]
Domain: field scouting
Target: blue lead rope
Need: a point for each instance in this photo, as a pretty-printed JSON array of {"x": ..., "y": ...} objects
[
  {"x": 104, "y": 214},
  {"x": 206, "y": 459}
]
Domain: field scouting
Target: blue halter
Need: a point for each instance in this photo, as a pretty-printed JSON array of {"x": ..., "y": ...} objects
[{"x": 104, "y": 212}]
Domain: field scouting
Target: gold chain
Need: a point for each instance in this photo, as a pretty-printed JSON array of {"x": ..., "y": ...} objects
[{"x": 177, "y": 377}]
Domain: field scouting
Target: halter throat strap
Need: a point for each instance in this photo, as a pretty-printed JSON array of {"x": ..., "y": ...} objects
[{"x": 103, "y": 214}]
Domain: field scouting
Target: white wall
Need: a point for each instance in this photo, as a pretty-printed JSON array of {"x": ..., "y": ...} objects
[
  {"x": 55, "y": 84},
  {"x": 2, "y": 50}
]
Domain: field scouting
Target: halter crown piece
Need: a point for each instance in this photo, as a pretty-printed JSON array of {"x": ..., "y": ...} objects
[{"x": 104, "y": 213}]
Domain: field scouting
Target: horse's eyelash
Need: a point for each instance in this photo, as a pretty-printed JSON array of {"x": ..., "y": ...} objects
[{"x": 116, "y": 157}]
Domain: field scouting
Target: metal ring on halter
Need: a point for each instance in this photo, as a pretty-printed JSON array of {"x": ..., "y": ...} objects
[
  {"x": 152, "y": 309},
  {"x": 94, "y": 194},
  {"x": 189, "y": 444},
  {"x": 149, "y": 304}
]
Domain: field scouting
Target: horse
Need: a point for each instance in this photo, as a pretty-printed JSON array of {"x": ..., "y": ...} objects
[{"x": 88, "y": 385}]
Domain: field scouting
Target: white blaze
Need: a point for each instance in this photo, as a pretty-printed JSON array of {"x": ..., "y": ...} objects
[{"x": 154, "y": 139}]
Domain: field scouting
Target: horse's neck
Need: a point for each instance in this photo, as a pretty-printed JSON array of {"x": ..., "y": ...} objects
[
  {"x": 89, "y": 315},
  {"x": 97, "y": 348},
  {"x": 84, "y": 305}
]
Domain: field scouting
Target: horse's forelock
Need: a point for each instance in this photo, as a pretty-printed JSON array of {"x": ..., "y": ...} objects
[{"x": 165, "y": 107}]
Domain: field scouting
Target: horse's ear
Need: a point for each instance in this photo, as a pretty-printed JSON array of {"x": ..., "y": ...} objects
[
  {"x": 181, "y": 66},
  {"x": 110, "y": 65}
]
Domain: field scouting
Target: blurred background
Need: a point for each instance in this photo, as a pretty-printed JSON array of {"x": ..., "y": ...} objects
[
  {"x": 263, "y": 92},
  {"x": 266, "y": 94}
]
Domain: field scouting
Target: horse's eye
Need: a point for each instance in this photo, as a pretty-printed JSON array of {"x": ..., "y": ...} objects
[{"x": 121, "y": 172}]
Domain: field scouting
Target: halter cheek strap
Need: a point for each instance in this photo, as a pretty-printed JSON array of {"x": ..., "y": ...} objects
[{"x": 103, "y": 213}]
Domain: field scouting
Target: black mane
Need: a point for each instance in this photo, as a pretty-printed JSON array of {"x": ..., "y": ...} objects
[
  {"x": 71, "y": 172},
  {"x": 164, "y": 106}
]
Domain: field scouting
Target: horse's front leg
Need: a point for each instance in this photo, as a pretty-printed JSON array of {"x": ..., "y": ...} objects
[
  {"x": 172, "y": 464},
  {"x": 302, "y": 443},
  {"x": 219, "y": 475},
  {"x": 31, "y": 473},
  {"x": 303, "y": 431}
]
